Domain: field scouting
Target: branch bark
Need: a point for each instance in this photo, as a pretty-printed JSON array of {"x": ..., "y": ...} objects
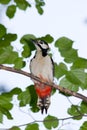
[{"x": 61, "y": 89}]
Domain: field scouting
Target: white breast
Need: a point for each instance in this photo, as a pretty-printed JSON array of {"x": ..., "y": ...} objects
[{"x": 42, "y": 66}]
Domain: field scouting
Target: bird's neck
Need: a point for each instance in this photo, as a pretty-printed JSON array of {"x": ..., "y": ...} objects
[
  {"x": 42, "y": 53},
  {"x": 38, "y": 55}
]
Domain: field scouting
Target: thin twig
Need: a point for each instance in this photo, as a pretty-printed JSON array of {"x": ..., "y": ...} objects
[
  {"x": 50, "y": 120},
  {"x": 61, "y": 89}
]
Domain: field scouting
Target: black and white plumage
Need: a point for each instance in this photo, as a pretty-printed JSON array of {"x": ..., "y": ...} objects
[{"x": 42, "y": 66}]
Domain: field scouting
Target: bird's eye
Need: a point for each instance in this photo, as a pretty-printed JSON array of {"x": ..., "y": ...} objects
[{"x": 41, "y": 42}]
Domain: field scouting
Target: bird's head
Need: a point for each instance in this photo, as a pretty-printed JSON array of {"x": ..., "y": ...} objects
[{"x": 41, "y": 46}]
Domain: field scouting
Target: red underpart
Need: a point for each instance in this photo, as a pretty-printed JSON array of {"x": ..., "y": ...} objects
[{"x": 43, "y": 92}]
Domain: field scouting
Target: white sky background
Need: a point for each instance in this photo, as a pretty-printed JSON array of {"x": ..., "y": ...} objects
[{"x": 60, "y": 18}]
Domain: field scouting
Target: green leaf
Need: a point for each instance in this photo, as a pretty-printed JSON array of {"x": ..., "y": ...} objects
[
  {"x": 39, "y": 5},
  {"x": 67, "y": 84},
  {"x": 59, "y": 70},
  {"x": 7, "y": 55},
  {"x": 15, "y": 91},
  {"x": 65, "y": 47},
  {"x": 77, "y": 76},
  {"x": 15, "y": 128},
  {"x": 84, "y": 126},
  {"x": 10, "y": 37},
  {"x": 4, "y": 1},
  {"x": 19, "y": 63},
  {"x": 7, "y": 39},
  {"x": 2, "y": 30},
  {"x": 85, "y": 87},
  {"x": 24, "y": 97},
  {"x": 80, "y": 63},
  {"x": 4, "y": 102},
  {"x": 48, "y": 38},
  {"x": 11, "y": 11},
  {"x": 4, "y": 43},
  {"x": 5, "y": 106},
  {"x": 39, "y": 9},
  {"x": 33, "y": 99},
  {"x": 9, "y": 95},
  {"x": 28, "y": 45},
  {"x": 64, "y": 44},
  {"x": 22, "y": 4},
  {"x": 29, "y": 4},
  {"x": 51, "y": 122},
  {"x": 34, "y": 126},
  {"x": 1, "y": 117},
  {"x": 83, "y": 107},
  {"x": 26, "y": 38},
  {"x": 26, "y": 51},
  {"x": 4, "y": 111},
  {"x": 75, "y": 111},
  {"x": 40, "y": 2}
]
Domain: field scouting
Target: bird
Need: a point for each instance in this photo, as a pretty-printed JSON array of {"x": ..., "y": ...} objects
[{"x": 42, "y": 66}]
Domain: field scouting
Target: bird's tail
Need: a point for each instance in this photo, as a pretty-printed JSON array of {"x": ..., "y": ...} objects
[{"x": 44, "y": 103}]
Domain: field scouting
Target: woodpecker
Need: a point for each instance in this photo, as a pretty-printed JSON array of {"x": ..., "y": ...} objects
[{"x": 41, "y": 65}]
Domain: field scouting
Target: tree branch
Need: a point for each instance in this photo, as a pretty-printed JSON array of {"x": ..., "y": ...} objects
[{"x": 61, "y": 89}]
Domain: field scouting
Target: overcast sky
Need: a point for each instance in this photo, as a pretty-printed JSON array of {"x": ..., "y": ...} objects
[{"x": 60, "y": 18}]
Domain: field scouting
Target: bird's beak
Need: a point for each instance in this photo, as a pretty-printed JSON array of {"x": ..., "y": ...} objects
[{"x": 33, "y": 41}]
